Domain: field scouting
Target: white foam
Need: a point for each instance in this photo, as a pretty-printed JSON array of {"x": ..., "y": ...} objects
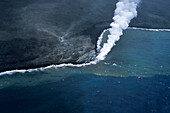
[
  {"x": 147, "y": 29},
  {"x": 47, "y": 67},
  {"x": 100, "y": 40},
  {"x": 114, "y": 64}
]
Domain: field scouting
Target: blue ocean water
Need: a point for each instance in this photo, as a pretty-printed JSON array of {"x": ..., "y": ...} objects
[{"x": 134, "y": 77}]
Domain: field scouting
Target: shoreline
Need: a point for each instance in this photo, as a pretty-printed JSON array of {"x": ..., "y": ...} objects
[{"x": 66, "y": 64}]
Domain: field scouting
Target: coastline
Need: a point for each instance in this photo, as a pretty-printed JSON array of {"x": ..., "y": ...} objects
[
  {"x": 67, "y": 64},
  {"x": 28, "y": 39}
]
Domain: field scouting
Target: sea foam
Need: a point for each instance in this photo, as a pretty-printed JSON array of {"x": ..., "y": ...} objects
[{"x": 147, "y": 29}]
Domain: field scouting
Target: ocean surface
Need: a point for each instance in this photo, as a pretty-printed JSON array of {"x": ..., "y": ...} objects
[{"x": 134, "y": 78}]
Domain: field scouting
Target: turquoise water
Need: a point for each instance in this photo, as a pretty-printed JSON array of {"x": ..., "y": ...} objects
[
  {"x": 134, "y": 77},
  {"x": 138, "y": 53}
]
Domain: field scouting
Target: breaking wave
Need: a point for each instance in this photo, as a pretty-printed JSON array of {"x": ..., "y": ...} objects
[{"x": 147, "y": 29}]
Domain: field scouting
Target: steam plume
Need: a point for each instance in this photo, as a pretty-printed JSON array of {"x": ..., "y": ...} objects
[{"x": 124, "y": 13}]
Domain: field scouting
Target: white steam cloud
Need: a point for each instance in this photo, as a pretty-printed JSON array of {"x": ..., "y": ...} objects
[{"x": 124, "y": 13}]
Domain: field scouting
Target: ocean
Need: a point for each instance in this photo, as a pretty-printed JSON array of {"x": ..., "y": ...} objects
[{"x": 134, "y": 77}]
